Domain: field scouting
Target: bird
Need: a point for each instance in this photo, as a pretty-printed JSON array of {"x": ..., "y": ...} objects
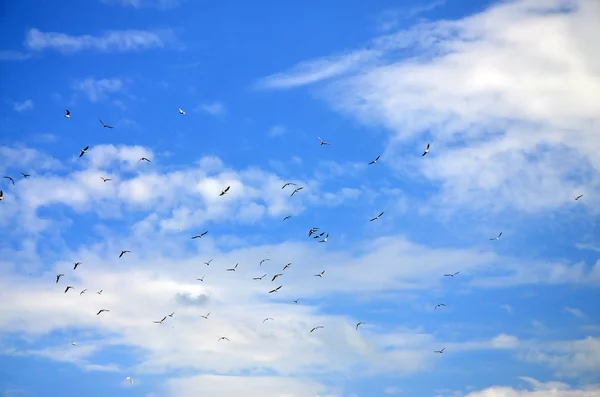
[
  {"x": 161, "y": 321},
  {"x": 320, "y": 274},
  {"x": 67, "y": 114},
  {"x": 312, "y": 231},
  {"x": 578, "y": 197},
  {"x": 124, "y": 252},
  {"x": 144, "y": 159},
  {"x": 83, "y": 292},
  {"x": 296, "y": 301},
  {"x": 286, "y": 218},
  {"x": 296, "y": 190},
  {"x": 73, "y": 343},
  {"x": 99, "y": 292},
  {"x": 317, "y": 236},
  {"x": 316, "y": 328},
  {"x": 9, "y": 178},
  {"x": 1, "y": 195},
  {"x": 224, "y": 192},
  {"x": 206, "y": 317},
  {"x": 25, "y": 175},
  {"x": 83, "y": 151},
  {"x": 233, "y": 268},
  {"x": 223, "y": 338},
  {"x": 438, "y": 305},
  {"x": 58, "y": 276},
  {"x": 325, "y": 239},
  {"x": 105, "y": 179},
  {"x": 172, "y": 314},
  {"x": 104, "y": 125},
  {"x": 275, "y": 276},
  {"x": 268, "y": 318},
  {"x": 276, "y": 289},
  {"x": 102, "y": 311},
  {"x": 359, "y": 323},
  {"x": 200, "y": 235},
  {"x": 68, "y": 288},
  {"x": 130, "y": 379},
  {"x": 451, "y": 274},
  {"x": 426, "y": 151},
  {"x": 288, "y": 184},
  {"x": 439, "y": 351},
  {"x": 497, "y": 238},
  {"x": 259, "y": 278},
  {"x": 322, "y": 141},
  {"x": 262, "y": 261},
  {"x": 201, "y": 279},
  {"x": 76, "y": 264},
  {"x": 287, "y": 266},
  {"x": 376, "y": 218},
  {"x": 181, "y": 111},
  {"x": 374, "y": 161},
  {"x": 208, "y": 263}
]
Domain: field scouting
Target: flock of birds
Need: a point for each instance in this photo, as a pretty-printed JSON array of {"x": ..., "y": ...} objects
[{"x": 314, "y": 233}]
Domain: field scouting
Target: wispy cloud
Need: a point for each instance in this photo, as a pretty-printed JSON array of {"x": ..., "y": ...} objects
[
  {"x": 14, "y": 56},
  {"x": 277, "y": 130},
  {"x": 161, "y": 4},
  {"x": 389, "y": 19},
  {"x": 23, "y": 106},
  {"x": 96, "y": 90},
  {"x": 575, "y": 312},
  {"x": 112, "y": 41},
  {"x": 215, "y": 108}
]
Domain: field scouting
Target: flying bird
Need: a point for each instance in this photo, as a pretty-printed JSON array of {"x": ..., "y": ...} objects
[
  {"x": 296, "y": 190},
  {"x": 268, "y": 318},
  {"x": 144, "y": 159},
  {"x": 208, "y": 263},
  {"x": 130, "y": 379},
  {"x": 259, "y": 278},
  {"x": 374, "y": 161},
  {"x": 233, "y": 268},
  {"x": 317, "y": 236},
  {"x": 200, "y": 235},
  {"x": 172, "y": 314},
  {"x": 325, "y": 239},
  {"x": 316, "y": 328},
  {"x": 262, "y": 261},
  {"x": 287, "y": 266},
  {"x": 83, "y": 292},
  {"x": 451, "y": 274},
  {"x": 83, "y": 151},
  {"x": 438, "y": 305},
  {"x": 320, "y": 274},
  {"x": 312, "y": 231},
  {"x": 578, "y": 197},
  {"x": 376, "y": 218},
  {"x": 206, "y": 317},
  {"x": 439, "y": 351},
  {"x": 104, "y": 125},
  {"x": 99, "y": 292},
  {"x": 161, "y": 321},
  {"x": 201, "y": 279},
  {"x": 9, "y": 178},
  {"x": 67, "y": 114},
  {"x": 76, "y": 264},
  {"x": 58, "y": 276},
  {"x": 359, "y": 324},
  {"x": 288, "y": 184},
  {"x": 1, "y": 195},
  {"x": 105, "y": 179},
  {"x": 124, "y": 252},
  {"x": 181, "y": 111},
  {"x": 276, "y": 289},
  {"x": 102, "y": 311},
  {"x": 275, "y": 276},
  {"x": 68, "y": 288},
  {"x": 426, "y": 151},
  {"x": 497, "y": 238},
  {"x": 73, "y": 343},
  {"x": 224, "y": 192},
  {"x": 223, "y": 338},
  {"x": 25, "y": 175},
  {"x": 286, "y": 218},
  {"x": 296, "y": 301},
  {"x": 322, "y": 141}
]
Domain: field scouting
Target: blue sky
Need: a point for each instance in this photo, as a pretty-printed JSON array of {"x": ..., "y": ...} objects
[{"x": 507, "y": 94}]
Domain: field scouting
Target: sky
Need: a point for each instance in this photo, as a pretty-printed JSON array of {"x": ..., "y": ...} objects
[{"x": 507, "y": 95}]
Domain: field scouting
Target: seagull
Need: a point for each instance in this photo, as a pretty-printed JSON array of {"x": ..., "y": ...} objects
[
  {"x": 578, "y": 197},
  {"x": 322, "y": 141},
  {"x": 1, "y": 195},
  {"x": 101, "y": 311},
  {"x": 317, "y": 327},
  {"x": 497, "y": 238},
  {"x": 268, "y": 318},
  {"x": 181, "y": 111},
  {"x": 312, "y": 231},
  {"x": 67, "y": 114},
  {"x": 82, "y": 292},
  {"x": 426, "y": 151},
  {"x": 200, "y": 235},
  {"x": 224, "y": 192},
  {"x": 105, "y": 179},
  {"x": 325, "y": 239},
  {"x": 262, "y": 261},
  {"x": 288, "y": 184},
  {"x": 376, "y": 218},
  {"x": 58, "y": 276},
  {"x": 201, "y": 279},
  {"x": 83, "y": 151},
  {"x": 286, "y": 218},
  {"x": 144, "y": 159},
  {"x": 320, "y": 274},
  {"x": 451, "y": 274},
  {"x": 172, "y": 314},
  {"x": 259, "y": 278},
  {"x": 124, "y": 252},
  {"x": 438, "y": 305},
  {"x": 275, "y": 276},
  {"x": 223, "y": 338},
  {"x": 276, "y": 289},
  {"x": 104, "y": 125},
  {"x": 286, "y": 266},
  {"x": 130, "y": 379},
  {"x": 161, "y": 321},
  {"x": 76, "y": 264},
  {"x": 296, "y": 190},
  {"x": 296, "y": 301},
  {"x": 208, "y": 263},
  {"x": 73, "y": 343},
  {"x": 359, "y": 323},
  {"x": 25, "y": 175},
  {"x": 374, "y": 161},
  {"x": 100, "y": 292},
  {"x": 206, "y": 317},
  {"x": 9, "y": 178},
  {"x": 439, "y": 351},
  {"x": 68, "y": 288},
  {"x": 233, "y": 268}
]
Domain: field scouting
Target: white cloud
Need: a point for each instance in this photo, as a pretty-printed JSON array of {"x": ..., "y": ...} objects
[
  {"x": 554, "y": 389},
  {"x": 161, "y": 4},
  {"x": 277, "y": 130},
  {"x": 214, "y": 108},
  {"x": 23, "y": 106},
  {"x": 568, "y": 358},
  {"x": 14, "y": 56},
  {"x": 574, "y": 311},
  {"x": 112, "y": 41},
  {"x": 96, "y": 90}
]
